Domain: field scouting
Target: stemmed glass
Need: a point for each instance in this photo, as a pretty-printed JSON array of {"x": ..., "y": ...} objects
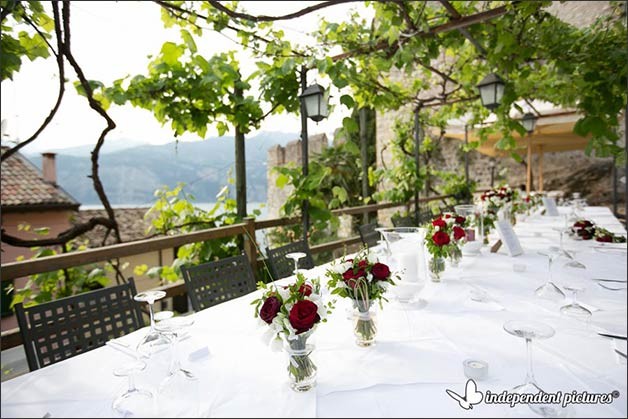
[
  {"x": 295, "y": 256},
  {"x": 574, "y": 309},
  {"x": 153, "y": 339},
  {"x": 134, "y": 402},
  {"x": 528, "y": 330},
  {"x": 549, "y": 290},
  {"x": 179, "y": 389}
]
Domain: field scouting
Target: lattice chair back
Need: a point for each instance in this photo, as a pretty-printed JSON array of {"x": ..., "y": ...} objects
[
  {"x": 69, "y": 326},
  {"x": 368, "y": 234},
  {"x": 213, "y": 283},
  {"x": 281, "y": 266}
]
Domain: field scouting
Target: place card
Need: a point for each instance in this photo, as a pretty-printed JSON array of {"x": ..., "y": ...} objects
[
  {"x": 509, "y": 237},
  {"x": 550, "y": 206}
]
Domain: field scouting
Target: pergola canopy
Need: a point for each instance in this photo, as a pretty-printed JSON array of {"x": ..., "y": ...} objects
[{"x": 553, "y": 132}]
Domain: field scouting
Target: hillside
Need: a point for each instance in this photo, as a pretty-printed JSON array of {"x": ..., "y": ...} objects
[{"x": 131, "y": 175}]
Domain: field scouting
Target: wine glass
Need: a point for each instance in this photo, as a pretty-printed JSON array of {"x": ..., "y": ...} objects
[
  {"x": 134, "y": 402},
  {"x": 549, "y": 290},
  {"x": 296, "y": 256},
  {"x": 153, "y": 339},
  {"x": 574, "y": 309},
  {"x": 529, "y": 330},
  {"x": 177, "y": 393},
  {"x": 173, "y": 328}
]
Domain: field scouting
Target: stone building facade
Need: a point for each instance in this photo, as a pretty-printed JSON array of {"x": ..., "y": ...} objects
[{"x": 290, "y": 154}]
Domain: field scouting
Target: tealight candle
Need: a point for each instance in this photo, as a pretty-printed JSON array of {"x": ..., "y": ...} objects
[
  {"x": 519, "y": 267},
  {"x": 475, "y": 369},
  {"x": 408, "y": 263}
]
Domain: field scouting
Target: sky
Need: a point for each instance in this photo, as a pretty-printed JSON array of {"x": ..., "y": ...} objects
[{"x": 113, "y": 39}]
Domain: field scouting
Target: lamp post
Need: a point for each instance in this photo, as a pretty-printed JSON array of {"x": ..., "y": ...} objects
[
  {"x": 313, "y": 106},
  {"x": 491, "y": 91},
  {"x": 492, "y": 164},
  {"x": 529, "y": 122}
]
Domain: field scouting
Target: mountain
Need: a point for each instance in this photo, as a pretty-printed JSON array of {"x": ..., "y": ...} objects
[{"x": 131, "y": 175}]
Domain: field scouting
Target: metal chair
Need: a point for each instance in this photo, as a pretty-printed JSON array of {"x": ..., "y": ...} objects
[
  {"x": 407, "y": 221},
  {"x": 212, "y": 283},
  {"x": 60, "y": 329},
  {"x": 368, "y": 234},
  {"x": 281, "y": 266}
]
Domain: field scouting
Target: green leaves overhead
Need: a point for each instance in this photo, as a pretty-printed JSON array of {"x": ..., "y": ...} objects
[{"x": 19, "y": 38}]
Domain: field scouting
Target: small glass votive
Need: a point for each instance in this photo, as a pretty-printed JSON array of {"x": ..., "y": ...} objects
[
  {"x": 475, "y": 369},
  {"x": 519, "y": 267}
]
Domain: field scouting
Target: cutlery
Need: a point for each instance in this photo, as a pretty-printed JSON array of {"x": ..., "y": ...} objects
[
  {"x": 620, "y": 288},
  {"x": 621, "y": 353},
  {"x": 608, "y": 335},
  {"x": 623, "y": 281}
]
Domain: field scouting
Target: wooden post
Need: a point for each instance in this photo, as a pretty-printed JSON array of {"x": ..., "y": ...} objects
[
  {"x": 529, "y": 166},
  {"x": 540, "y": 168},
  {"x": 250, "y": 245}
]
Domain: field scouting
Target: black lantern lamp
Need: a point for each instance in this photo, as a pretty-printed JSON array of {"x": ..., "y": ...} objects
[
  {"x": 491, "y": 91},
  {"x": 529, "y": 122},
  {"x": 315, "y": 102}
]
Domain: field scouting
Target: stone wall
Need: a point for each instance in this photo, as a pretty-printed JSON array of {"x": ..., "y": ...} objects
[{"x": 280, "y": 156}]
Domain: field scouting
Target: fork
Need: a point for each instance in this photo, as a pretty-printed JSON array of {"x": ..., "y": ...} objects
[{"x": 611, "y": 288}]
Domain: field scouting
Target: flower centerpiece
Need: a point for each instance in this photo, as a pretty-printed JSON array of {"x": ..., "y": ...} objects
[
  {"x": 606, "y": 236},
  {"x": 292, "y": 313},
  {"x": 445, "y": 233},
  {"x": 584, "y": 229},
  {"x": 501, "y": 200},
  {"x": 364, "y": 280}
]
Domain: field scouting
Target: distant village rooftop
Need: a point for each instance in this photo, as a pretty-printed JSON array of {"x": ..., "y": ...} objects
[{"x": 26, "y": 188}]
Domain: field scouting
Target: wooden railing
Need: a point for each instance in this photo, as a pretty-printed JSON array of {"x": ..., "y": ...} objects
[{"x": 9, "y": 271}]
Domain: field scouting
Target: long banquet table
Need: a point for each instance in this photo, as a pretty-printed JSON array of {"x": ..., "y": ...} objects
[{"x": 418, "y": 354}]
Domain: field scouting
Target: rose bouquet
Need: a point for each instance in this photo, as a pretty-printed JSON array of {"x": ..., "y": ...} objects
[
  {"x": 364, "y": 280},
  {"x": 584, "y": 229},
  {"x": 444, "y": 236},
  {"x": 292, "y": 313},
  {"x": 502, "y": 199},
  {"x": 605, "y": 236}
]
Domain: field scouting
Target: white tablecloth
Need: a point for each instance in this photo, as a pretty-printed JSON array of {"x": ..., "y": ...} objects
[{"x": 419, "y": 351}]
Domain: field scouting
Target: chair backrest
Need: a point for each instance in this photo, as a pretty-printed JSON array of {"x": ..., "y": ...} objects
[
  {"x": 69, "y": 326},
  {"x": 281, "y": 266},
  {"x": 407, "y": 221},
  {"x": 368, "y": 234},
  {"x": 215, "y": 282}
]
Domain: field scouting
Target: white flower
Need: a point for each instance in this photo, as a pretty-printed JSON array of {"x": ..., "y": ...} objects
[
  {"x": 276, "y": 344},
  {"x": 369, "y": 276},
  {"x": 372, "y": 257},
  {"x": 340, "y": 267},
  {"x": 284, "y": 293}
]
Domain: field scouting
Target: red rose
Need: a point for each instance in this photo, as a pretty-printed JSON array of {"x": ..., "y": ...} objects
[
  {"x": 458, "y": 233},
  {"x": 460, "y": 220},
  {"x": 351, "y": 274},
  {"x": 439, "y": 222},
  {"x": 527, "y": 199},
  {"x": 583, "y": 224},
  {"x": 269, "y": 309},
  {"x": 447, "y": 215},
  {"x": 380, "y": 271},
  {"x": 440, "y": 238},
  {"x": 305, "y": 290},
  {"x": 303, "y": 315},
  {"x": 606, "y": 238},
  {"x": 362, "y": 263},
  {"x": 483, "y": 197}
]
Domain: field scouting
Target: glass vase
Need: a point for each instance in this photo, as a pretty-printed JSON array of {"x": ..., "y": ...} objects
[
  {"x": 436, "y": 267},
  {"x": 455, "y": 256},
  {"x": 301, "y": 368},
  {"x": 364, "y": 323}
]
